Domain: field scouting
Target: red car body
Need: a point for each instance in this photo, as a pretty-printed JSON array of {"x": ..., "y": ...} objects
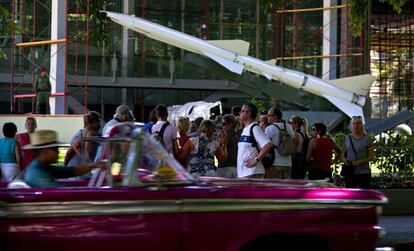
[{"x": 181, "y": 213}]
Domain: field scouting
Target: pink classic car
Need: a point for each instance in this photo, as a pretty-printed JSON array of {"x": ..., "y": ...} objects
[{"x": 146, "y": 201}]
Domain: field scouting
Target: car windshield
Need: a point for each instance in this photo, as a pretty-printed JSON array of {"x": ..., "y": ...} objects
[{"x": 135, "y": 158}]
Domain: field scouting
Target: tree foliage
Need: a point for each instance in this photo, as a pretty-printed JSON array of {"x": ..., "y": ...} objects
[
  {"x": 98, "y": 34},
  {"x": 7, "y": 27},
  {"x": 357, "y": 11},
  {"x": 260, "y": 104}
]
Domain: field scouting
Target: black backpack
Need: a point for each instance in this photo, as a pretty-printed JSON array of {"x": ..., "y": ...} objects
[
  {"x": 159, "y": 135},
  {"x": 269, "y": 158}
]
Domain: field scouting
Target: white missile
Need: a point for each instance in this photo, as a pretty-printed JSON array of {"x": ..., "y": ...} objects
[{"x": 348, "y": 94}]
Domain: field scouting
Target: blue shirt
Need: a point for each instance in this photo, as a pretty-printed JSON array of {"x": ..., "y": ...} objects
[
  {"x": 38, "y": 175},
  {"x": 148, "y": 126},
  {"x": 194, "y": 134},
  {"x": 7, "y": 153}
]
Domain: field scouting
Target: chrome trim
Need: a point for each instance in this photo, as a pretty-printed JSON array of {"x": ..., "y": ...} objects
[
  {"x": 88, "y": 208},
  {"x": 385, "y": 249}
]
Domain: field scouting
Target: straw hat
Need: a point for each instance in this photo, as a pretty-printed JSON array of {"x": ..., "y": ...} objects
[{"x": 43, "y": 139}]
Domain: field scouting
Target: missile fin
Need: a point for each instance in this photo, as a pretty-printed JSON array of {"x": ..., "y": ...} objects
[
  {"x": 230, "y": 65},
  {"x": 271, "y": 62},
  {"x": 239, "y": 46},
  {"x": 356, "y": 84},
  {"x": 267, "y": 75},
  {"x": 348, "y": 108}
]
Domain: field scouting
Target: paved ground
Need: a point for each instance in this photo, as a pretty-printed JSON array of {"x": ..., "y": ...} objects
[{"x": 399, "y": 232}]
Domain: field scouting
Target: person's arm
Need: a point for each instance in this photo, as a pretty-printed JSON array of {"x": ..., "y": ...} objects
[
  {"x": 185, "y": 151},
  {"x": 77, "y": 146},
  {"x": 265, "y": 149},
  {"x": 338, "y": 151},
  {"x": 176, "y": 147},
  {"x": 68, "y": 156},
  {"x": 173, "y": 132},
  {"x": 18, "y": 153},
  {"x": 89, "y": 145},
  {"x": 311, "y": 149},
  {"x": 345, "y": 153},
  {"x": 263, "y": 140},
  {"x": 36, "y": 89},
  {"x": 82, "y": 169}
]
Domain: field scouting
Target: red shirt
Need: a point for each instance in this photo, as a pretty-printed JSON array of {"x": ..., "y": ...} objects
[
  {"x": 183, "y": 138},
  {"x": 322, "y": 155},
  {"x": 28, "y": 155}
]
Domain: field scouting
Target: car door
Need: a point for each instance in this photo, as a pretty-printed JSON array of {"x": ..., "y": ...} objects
[{"x": 89, "y": 219}]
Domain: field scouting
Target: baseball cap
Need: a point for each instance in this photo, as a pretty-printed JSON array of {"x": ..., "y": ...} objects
[{"x": 122, "y": 110}]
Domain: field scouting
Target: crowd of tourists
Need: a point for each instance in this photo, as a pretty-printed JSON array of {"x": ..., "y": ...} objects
[{"x": 231, "y": 146}]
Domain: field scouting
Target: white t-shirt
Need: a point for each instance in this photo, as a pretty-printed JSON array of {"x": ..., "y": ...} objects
[
  {"x": 272, "y": 132},
  {"x": 170, "y": 134},
  {"x": 247, "y": 151}
]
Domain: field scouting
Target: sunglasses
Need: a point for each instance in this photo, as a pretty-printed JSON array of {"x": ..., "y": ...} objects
[{"x": 356, "y": 117}]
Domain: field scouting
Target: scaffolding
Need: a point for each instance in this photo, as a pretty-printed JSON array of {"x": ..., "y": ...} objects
[
  {"x": 26, "y": 13},
  {"x": 392, "y": 59},
  {"x": 297, "y": 38},
  {"x": 77, "y": 56},
  {"x": 22, "y": 16}
]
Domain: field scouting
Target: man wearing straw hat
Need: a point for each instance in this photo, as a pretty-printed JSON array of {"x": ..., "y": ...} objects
[
  {"x": 42, "y": 90},
  {"x": 40, "y": 172}
]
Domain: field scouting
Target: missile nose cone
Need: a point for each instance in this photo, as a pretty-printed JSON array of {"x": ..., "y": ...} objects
[{"x": 116, "y": 17}]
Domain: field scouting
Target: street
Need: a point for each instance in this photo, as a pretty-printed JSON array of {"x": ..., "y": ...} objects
[{"x": 399, "y": 232}]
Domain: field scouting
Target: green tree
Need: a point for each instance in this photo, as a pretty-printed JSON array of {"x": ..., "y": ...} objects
[
  {"x": 7, "y": 27},
  {"x": 98, "y": 34},
  {"x": 260, "y": 104},
  {"x": 357, "y": 11}
]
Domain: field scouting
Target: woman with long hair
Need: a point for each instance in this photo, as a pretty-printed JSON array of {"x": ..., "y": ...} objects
[{"x": 320, "y": 151}]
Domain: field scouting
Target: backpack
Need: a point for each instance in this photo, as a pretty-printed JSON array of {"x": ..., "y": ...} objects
[
  {"x": 269, "y": 158},
  {"x": 285, "y": 146},
  {"x": 159, "y": 135}
]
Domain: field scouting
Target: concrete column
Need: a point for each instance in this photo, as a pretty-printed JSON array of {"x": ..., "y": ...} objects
[
  {"x": 127, "y": 38},
  {"x": 57, "y": 53},
  {"x": 127, "y": 51},
  {"x": 329, "y": 40}
]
